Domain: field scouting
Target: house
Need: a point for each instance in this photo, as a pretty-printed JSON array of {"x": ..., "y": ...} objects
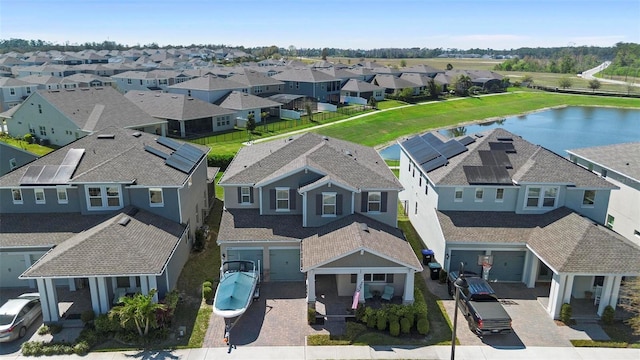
[
  {"x": 422, "y": 69},
  {"x": 620, "y": 165},
  {"x": 157, "y": 80},
  {"x": 258, "y": 84},
  {"x": 313, "y": 205},
  {"x": 312, "y": 83},
  {"x": 185, "y": 116},
  {"x": 207, "y": 88},
  {"x": 246, "y": 104},
  {"x": 59, "y": 117},
  {"x": 361, "y": 91},
  {"x": 515, "y": 212},
  {"x": 90, "y": 80},
  {"x": 13, "y": 92},
  {"x": 115, "y": 211},
  {"x": 12, "y": 158},
  {"x": 393, "y": 84},
  {"x": 44, "y": 82}
]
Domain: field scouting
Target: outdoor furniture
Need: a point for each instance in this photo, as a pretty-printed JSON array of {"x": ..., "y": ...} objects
[
  {"x": 597, "y": 294},
  {"x": 388, "y": 293},
  {"x": 367, "y": 292}
]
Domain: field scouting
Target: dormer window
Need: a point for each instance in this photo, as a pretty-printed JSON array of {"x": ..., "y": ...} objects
[
  {"x": 282, "y": 199},
  {"x": 541, "y": 197},
  {"x": 328, "y": 204},
  {"x": 156, "y": 199}
]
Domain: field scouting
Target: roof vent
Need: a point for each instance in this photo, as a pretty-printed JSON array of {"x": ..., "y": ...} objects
[
  {"x": 325, "y": 138},
  {"x": 137, "y": 134},
  {"x": 124, "y": 220},
  {"x": 364, "y": 227},
  {"x": 106, "y": 136}
]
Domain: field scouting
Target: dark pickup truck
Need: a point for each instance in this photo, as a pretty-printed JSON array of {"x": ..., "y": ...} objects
[{"x": 480, "y": 306}]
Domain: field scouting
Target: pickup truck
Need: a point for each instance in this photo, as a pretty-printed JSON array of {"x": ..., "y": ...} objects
[{"x": 481, "y": 307}]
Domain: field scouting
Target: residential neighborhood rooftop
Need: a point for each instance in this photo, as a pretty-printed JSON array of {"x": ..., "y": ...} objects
[{"x": 621, "y": 158}]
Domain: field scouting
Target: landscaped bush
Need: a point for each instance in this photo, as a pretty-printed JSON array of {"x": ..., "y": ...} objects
[
  {"x": 311, "y": 316},
  {"x": 405, "y": 325},
  {"x": 87, "y": 316},
  {"x": 207, "y": 284},
  {"x": 38, "y": 348},
  {"x": 608, "y": 314},
  {"x": 219, "y": 160},
  {"x": 381, "y": 320},
  {"x": 423, "y": 326},
  {"x": 43, "y": 330},
  {"x": 198, "y": 243},
  {"x": 207, "y": 293},
  {"x": 28, "y": 138},
  {"x": 565, "y": 313},
  {"x": 106, "y": 325},
  {"x": 394, "y": 328},
  {"x": 370, "y": 317},
  {"x": 420, "y": 305},
  {"x": 360, "y": 312}
]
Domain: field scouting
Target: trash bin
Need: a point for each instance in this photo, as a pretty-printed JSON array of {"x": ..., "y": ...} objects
[
  {"x": 434, "y": 269},
  {"x": 427, "y": 256}
]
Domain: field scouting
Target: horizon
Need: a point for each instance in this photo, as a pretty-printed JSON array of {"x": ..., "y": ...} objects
[{"x": 499, "y": 25}]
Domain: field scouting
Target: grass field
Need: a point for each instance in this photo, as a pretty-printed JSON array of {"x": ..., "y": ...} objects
[
  {"x": 438, "y": 63},
  {"x": 21, "y": 144}
]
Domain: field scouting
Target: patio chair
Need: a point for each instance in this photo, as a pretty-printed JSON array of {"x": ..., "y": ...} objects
[
  {"x": 388, "y": 293},
  {"x": 597, "y": 294},
  {"x": 367, "y": 292}
]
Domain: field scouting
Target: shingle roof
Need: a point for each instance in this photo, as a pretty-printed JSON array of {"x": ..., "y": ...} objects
[
  {"x": 238, "y": 100},
  {"x": 621, "y": 158},
  {"x": 143, "y": 246},
  {"x": 392, "y": 82},
  {"x": 565, "y": 240},
  {"x": 174, "y": 106},
  {"x": 530, "y": 164},
  {"x": 8, "y": 82},
  {"x": 105, "y": 160},
  {"x": 359, "y": 85},
  {"x": 422, "y": 69},
  {"x": 209, "y": 83},
  {"x": 254, "y": 78},
  {"x": 350, "y": 164},
  {"x": 416, "y": 78},
  {"x": 304, "y": 75}
]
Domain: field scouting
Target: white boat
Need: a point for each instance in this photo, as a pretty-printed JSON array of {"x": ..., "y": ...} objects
[{"x": 237, "y": 288}]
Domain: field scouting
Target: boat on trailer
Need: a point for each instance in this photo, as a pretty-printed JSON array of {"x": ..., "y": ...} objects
[{"x": 238, "y": 287}]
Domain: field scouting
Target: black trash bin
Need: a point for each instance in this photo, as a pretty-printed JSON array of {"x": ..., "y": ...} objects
[
  {"x": 427, "y": 256},
  {"x": 434, "y": 269}
]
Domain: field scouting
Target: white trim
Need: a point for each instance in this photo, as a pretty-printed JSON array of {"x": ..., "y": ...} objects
[
  {"x": 330, "y": 195},
  {"x": 541, "y": 197},
  {"x": 35, "y": 195},
  {"x": 17, "y": 202},
  {"x": 60, "y": 190},
  {"x": 156, "y": 204},
  {"x": 455, "y": 194},
  {"x": 278, "y": 209},
  {"x": 103, "y": 197},
  {"x": 475, "y": 194},
  {"x": 369, "y": 202}
]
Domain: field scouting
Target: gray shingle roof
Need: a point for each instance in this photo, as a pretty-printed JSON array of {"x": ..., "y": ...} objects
[
  {"x": 121, "y": 159},
  {"x": 238, "y": 100},
  {"x": 362, "y": 169},
  {"x": 209, "y": 83},
  {"x": 143, "y": 246},
  {"x": 621, "y": 158},
  {"x": 392, "y": 82},
  {"x": 359, "y": 85},
  {"x": 254, "y": 78},
  {"x": 304, "y": 75},
  {"x": 174, "y": 106},
  {"x": 562, "y": 238}
]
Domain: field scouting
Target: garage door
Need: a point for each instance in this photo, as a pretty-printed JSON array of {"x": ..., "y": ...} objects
[
  {"x": 507, "y": 265},
  {"x": 285, "y": 265},
  {"x": 253, "y": 254},
  {"x": 468, "y": 257}
]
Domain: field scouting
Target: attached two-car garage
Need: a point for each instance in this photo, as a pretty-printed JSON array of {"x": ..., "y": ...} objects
[
  {"x": 507, "y": 265},
  {"x": 283, "y": 263}
]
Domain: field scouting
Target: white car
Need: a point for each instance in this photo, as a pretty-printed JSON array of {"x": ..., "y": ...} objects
[{"x": 16, "y": 315}]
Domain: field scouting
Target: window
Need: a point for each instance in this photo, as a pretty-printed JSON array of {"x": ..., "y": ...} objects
[
  {"x": 426, "y": 187},
  {"x": 17, "y": 196},
  {"x": 328, "y": 204},
  {"x": 282, "y": 199},
  {"x": 12, "y": 91},
  {"x": 155, "y": 197},
  {"x": 374, "y": 201},
  {"x": 409, "y": 165},
  {"x": 415, "y": 211},
  {"x": 28, "y": 90},
  {"x": 128, "y": 81},
  {"x": 499, "y": 195},
  {"x": 458, "y": 195},
  {"x": 610, "y": 220},
  {"x": 245, "y": 195},
  {"x": 588, "y": 199},
  {"x": 382, "y": 278},
  {"x": 541, "y": 197},
  {"x": 39, "y": 195},
  {"x": 420, "y": 182},
  {"x": 13, "y": 163},
  {"x": 103, "y": 197},
  {"x": 62, "y": 195},
  {"x": 40, "y": 108},
  {"x": 43, "y": 130},
  {"x": 479, "y": 194}
]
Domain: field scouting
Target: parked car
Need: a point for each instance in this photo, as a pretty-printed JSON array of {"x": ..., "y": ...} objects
[
  {"x": 480, "y": 306},
  {"x": 16, "y": 315}
]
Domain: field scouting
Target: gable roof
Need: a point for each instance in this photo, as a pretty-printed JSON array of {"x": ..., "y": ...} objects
[
  {"x": 238, "y": 100},
  {"x": 392, "y": 82},
  {"x": 208, "y": 83},
  {"x": 174, "y": 106},
  {"x": 304, "y": 75},
  {"x": 254, "y": 78},
  {"x": 354, "y": 165},
  {"x": 416, "y": 78},
  {"x": 621, "y": 158},
  {"x": 360, "y": 86},
  {"x": 118, "y": 159},
  {"x": 422, "y": 69}
]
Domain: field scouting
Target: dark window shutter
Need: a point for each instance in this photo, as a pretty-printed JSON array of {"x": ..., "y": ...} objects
[
  {"x": 239, "y": 194},
  {"x": 251, "y": 195},
  {"x": 364, "y": 201},
  {"x": 318, "y": 204},
  {"x": 354, "y": 278},
  {"x": 339, "y": 204},
  {"x": 383, "y": 201},
  {"x": 272, "y": 199},
  {"x": 389, "y": 278},
  {"x": 292, "y": 199}
]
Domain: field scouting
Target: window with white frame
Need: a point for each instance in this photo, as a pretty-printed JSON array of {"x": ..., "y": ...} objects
[
  {"x": 499, "y": 195},
  {"x": 156, "y": 198},
  {"x": 103, "y": 197},
  {"x": 62, "y": 195},
  {"x": 12, "y": 91},
  {"x": 282, "y": 199},
  {"x": 328, "y": 204},
  {"x": 588, "y": 198},
  {"x": 245, "y": 195},
  {"x": 457, "y": 197},
  {"x": 479, "y": 194},
  {"x": 380, "y": 278},
  {"x": 43, "y": 130},
  {"x": 541, "y": 196},
  {"x": 610, "y": 220},
  {"x": 13, "y": 163},
  {"x": 28, "y": 90},
  {"x": 374, "y": 201},
  {"x": 39, "y": 195},
  {"x": 16, "y": 194}
]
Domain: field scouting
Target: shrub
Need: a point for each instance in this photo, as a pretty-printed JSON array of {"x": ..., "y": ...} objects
[
  {"x": 81, "y": 348},
  {"x": 28, "y": 138},
  {"x": 442, "y": 276},
  {"x": 207, "y": 284},
  {"x": 87, "y": 316},
  {"x": 311, "y": 316},
  {"x": 105, "y": 324},
  {"x": 371, "y": 317},
  {"x": 394, "y": 328},
  {"x": 89, "y": 336},
  {"x": 207, "y": 293},
  {"x": 423, "y": 326},
  {"x": 565, "y": 313},
  {"x": 405, "y": 325},
  {"x": 43, "y": 330},
  {"x": 381, "y": 321},
  {"x": 360, "y": 312},
  {"x": 219, "y": 160},
  {"x": 608, "y": 314},
  {"x": 54, "y": 328},
  {"x": 198, "y": 243}
]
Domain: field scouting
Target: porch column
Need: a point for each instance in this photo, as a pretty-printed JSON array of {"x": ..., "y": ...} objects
[
  {"x": 182, "y": 130},
  {"x": 153, "y": 285},
  {"x": 95, "y": 300},
  {"x": 555, "y": 296},
  {"x": 103, "y": 295},
  {"x": 52, "y": 299},
  {"x": 27, "y": 262},
  {"x": 615, "y": 292},
  {"x": 534, "y": 266},
  {"x": 46, "y": 315},
  {"x": 407, "y": 297},
  {"x": 132, "y": 284},
  {"x": 568, "y": 288},
  {"x": 360, "y": 280},
  {"x": 72, "y": 284},
  {"x": 114, "y": 284},
  {"x": 605, "y": 297},
  {"x": 144, "y": 285},
  {"x": 311, "y": 286}
]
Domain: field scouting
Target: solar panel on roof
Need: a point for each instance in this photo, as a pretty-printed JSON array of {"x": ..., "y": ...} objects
[
  {"x": 504, "y": 146},
  {"x": 174, "y": 145},
  {"x": 179, "y": 164},
  {"x": 431, "y": 139},
  {"x": 425, "y": 155},
  {"x": 64, "y": 174},
  {"x": 156, "y": 152},
  {"x": 190, "y": 152},
  {"x": 451, "y": 148},
  {"x": 31, "y": 175},
  {"x": 73, "y": 157},
  {"x": 505, "y": 138},
  {"x": 467, "y": 140},
  {"x": 494, "y": 158},
  {"x": 47, "y": 174},
  {"x": 434, "y": 164},
  {"x": 501, "y": 175},
  {"x": 487, "y": 175}
]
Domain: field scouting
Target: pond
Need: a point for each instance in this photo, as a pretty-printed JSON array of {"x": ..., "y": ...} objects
[{"x": 558, "y": 129}]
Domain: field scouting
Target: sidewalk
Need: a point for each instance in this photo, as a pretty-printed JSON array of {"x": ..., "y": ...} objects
[{"x": 364, "y": 352}]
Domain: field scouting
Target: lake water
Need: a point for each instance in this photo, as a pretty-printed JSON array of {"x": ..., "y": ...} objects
[{"x": 560, "y": 129}]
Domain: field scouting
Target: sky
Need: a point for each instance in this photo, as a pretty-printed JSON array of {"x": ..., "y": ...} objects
[{"x": 347, "y": 24}]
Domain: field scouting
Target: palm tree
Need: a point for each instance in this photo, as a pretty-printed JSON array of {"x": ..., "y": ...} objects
[
  {"x": 141, "y": 309},
  {"x": 463, "y": 84}
]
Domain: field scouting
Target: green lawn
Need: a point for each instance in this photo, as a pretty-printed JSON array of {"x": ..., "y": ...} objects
[
  {"x": 21, "y": 144},
  {"x": 390, "y": 104}
]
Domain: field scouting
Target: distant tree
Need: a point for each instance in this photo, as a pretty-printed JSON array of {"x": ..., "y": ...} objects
[
  {"x": 292, "y": 50},
  {"x": 434, "y": 89},
  {"x": 308, "y": 110},
  {"x": 630, "y": 296},
  {"x": 594, "y": 84},
  {"x": 251, "y": 124},
  {"x": 462, "y": 85},
  {"x": 403, "y": 63},
  {"x": 373, "y": 102},
  {"x": 406, "y": 93},
  {"x": 449, "y": 67},
  {"x": 565, "y": 82},
  {"x": 527, "y": 78},
  {"x": 505, "y": 83},
  {"x": 325, "y": 53}
]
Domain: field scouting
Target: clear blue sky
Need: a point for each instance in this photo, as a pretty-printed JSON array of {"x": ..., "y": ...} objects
[{"x": 355, "y": 24}]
